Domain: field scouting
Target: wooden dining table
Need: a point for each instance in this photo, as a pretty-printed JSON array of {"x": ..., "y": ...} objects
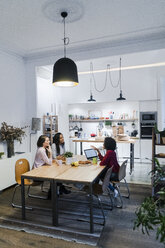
[{"x": 85, "y": 174}]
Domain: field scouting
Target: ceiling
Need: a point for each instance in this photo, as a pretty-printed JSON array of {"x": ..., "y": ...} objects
[{"x": 26, "y": 29}]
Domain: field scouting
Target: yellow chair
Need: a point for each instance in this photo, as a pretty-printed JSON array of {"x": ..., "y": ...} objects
[{"x": 22, "y": 166}]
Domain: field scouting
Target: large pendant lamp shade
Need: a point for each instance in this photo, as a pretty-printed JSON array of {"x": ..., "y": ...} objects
[
  {"x": 65, "y": 70},
  {"x": 65, "y": 73}
]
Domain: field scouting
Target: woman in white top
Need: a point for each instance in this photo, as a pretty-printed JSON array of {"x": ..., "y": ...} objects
[
  {"x": 44, "y": 152},
  {"x": 58, "y": 149},
  {"x": 58, "y": 146}
]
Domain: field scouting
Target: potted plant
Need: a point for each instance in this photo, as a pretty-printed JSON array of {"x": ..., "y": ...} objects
[
  {"x": 9, "y": 133},
  {"x": 151, "y": 214},
  {"x": 68, "y": 156}
]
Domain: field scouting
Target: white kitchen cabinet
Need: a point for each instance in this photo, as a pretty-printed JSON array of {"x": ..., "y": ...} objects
[
  {"x": 146, "y": 150},
  {"x": 7, "y": 169}
]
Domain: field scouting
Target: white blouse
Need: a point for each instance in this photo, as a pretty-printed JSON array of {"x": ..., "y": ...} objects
[{"x": 54, "y": 150}]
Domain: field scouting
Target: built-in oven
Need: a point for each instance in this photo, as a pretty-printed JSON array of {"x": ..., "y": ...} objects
[{"x": 147, "y": 122}]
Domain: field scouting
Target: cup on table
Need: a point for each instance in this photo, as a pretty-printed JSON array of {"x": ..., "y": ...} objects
[
  {"x": 94, "y": 161},
  {"x": 59, "y": 162}
]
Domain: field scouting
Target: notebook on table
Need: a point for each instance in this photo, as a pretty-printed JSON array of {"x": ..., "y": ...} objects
[{"x": 90, "y": 154}]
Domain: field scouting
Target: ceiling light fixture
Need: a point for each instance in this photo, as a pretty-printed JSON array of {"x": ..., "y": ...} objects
[
  {"x": 91, "y": 99},
  {"x": 65, "y": 70},
  {"x": 120, "y": 98}
]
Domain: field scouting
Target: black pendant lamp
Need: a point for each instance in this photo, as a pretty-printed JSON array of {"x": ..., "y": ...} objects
[
  {"x": 91, "y": 99},
  {"x": 120, "y": 98},
  {"x": 65, "y": 70}
]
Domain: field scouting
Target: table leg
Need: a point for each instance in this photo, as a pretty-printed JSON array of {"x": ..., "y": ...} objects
[
  {"x": 75, "y": 148},
  {"x": 81, "y": 149},
  {"x": 23, "y": 198},
  {"x": 131, "y": 158},
  {"x": 91, "y": 209},
  {"x": 54, "y": 203}
]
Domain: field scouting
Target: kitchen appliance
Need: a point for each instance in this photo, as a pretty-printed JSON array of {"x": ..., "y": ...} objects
[{"x": 147, "y": 122}]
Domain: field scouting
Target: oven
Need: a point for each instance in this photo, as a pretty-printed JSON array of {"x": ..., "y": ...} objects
[{"x": 147, "y": 122}]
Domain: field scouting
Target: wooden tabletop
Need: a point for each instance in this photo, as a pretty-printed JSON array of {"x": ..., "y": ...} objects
[
  {"x": 47, "y": 171},
  {"x": 85, "y": 173},
  {"x": 82, "y": 173}
]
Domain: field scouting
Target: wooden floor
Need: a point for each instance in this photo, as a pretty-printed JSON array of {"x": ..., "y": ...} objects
[{"x": 37, "y": 230}]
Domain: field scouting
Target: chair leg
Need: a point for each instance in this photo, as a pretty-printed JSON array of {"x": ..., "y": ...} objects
[
  {"x": 109, "y": 193},
  {"x": 16, "y": 205},
  {"x": 101, "y": 206},
  {"x": 42, "y": 188},
  {"x": 121, "y": 200},
  {"x": 36, "y": 196},
  {"x": 127, "y": 189}
]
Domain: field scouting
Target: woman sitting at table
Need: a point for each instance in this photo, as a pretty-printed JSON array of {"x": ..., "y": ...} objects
[
  {"x": 58, "y": 146},
  {"x": 44, "y": 152},
  {"x": 58, "y": 149},
  {"x": 109, "y": 160}
]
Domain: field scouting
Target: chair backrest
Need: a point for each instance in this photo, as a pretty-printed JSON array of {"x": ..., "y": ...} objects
[
  {"x": 106, "y": 179},
  {"x": 21, "y": 166},
  {"x": 122, "y": 171}
]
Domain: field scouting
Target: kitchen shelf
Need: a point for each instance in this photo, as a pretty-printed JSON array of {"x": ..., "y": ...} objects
[
  {"x": 97, "y": 120},
  {"x": 50, "y": 122},
  {"x": 159, "y": 156}
]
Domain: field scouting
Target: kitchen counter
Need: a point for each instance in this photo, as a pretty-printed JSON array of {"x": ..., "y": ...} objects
[{"x": 94, "y": 140}]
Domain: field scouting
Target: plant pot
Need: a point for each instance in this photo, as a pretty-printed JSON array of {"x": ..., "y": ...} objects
[{"x": 10, "y": 148}]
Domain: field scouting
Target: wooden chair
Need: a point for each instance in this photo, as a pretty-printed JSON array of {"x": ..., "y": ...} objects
[
  {"x": 22, "y": 166},
  {"x": 116, "y": 184}
]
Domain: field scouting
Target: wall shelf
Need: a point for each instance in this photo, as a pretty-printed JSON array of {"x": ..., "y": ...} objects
[
  {"x": 50, "y": 126},
  {"x": 98, "y": 120}
]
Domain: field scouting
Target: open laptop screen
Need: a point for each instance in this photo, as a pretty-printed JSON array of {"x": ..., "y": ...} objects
[{"x": 90, "y": 153}]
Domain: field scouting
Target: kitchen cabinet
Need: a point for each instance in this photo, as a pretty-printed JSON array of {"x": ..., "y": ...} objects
[{"x": 50, "y": 126}]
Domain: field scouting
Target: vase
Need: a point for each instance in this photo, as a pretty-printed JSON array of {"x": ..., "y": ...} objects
[{"x": 10, "y": 148}]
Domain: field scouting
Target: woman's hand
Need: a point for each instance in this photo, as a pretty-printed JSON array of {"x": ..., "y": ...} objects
[
  {"x": 49, "y": 149},
  {"x": 95, "y": 148}
]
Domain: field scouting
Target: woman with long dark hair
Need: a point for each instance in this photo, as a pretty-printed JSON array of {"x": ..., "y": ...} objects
[
  {"x": 109, "y": 160},
  {"x": 58, "y": 146},
  {"x": 44, "y": 152},
  {"x": 58, "y": 149}
]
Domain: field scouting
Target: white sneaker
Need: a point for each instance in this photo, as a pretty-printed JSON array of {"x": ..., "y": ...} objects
[{"x": 116, "y": 193}]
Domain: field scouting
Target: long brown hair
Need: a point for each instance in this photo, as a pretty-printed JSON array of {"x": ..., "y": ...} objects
[{"x": 40, "y": 142}]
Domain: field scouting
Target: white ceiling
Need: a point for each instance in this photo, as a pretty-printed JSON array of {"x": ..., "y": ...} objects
[{"x": 25, "y": 29}]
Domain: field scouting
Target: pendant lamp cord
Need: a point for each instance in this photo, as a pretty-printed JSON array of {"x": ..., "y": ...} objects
[
  {"x": 119, "y": 81},
  {"x": 66, "y": 39},
  {"x": 92, "y": 74},
  {"x": 108, "y": 73}
]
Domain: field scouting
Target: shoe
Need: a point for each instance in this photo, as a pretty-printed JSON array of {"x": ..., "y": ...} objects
[
  {"x": 64, "y": 190},
  {"x": 116, "y": 193}
]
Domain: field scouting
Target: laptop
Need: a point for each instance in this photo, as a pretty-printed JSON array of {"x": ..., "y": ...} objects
[{"x": 90, "y": 154}]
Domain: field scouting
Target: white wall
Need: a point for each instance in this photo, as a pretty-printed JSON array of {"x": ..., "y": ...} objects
[{"x": 13, "y": 98}]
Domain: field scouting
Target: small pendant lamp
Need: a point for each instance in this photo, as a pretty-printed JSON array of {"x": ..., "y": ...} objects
[
  {"x": 65, "y": 70},
  {"x": 120, "y": 98},
  {"x": 91, "y": 99}
]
